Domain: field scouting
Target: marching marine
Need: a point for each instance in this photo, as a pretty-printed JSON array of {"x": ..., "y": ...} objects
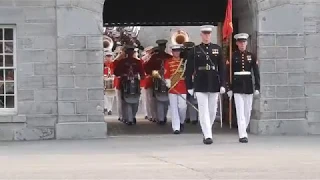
[
  {"x": 131, "y": 71},
  {"x": 155, "y": 68},
  {"x": 243, "y": 62},
  {"x": 174, "y": 77},
  {"x": 207, "y": 66},
  {"x": 109, "y": 83}
]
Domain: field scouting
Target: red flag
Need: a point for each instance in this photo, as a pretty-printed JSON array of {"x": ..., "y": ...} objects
[{"x": 227, "y": 25}]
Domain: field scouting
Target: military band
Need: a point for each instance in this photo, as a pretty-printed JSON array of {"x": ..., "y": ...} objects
[
  {"x": 189, "y": 80},
  {"x": 242, "y": 88},
  {"x": 205, "y": 79}
]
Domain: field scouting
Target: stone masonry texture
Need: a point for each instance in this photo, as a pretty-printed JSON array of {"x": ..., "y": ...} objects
[{"x": 60, "y": 57}]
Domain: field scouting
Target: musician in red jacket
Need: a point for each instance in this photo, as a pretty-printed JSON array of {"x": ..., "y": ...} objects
[
  {"x": 108, "y": 75},
  {"x": 160, "y": 100},
  {"x": 174, "y": 71},
  {"x": 130, "y": 71}
]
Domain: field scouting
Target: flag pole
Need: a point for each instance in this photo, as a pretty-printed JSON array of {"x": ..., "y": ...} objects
[{"x": 230, "y": 79}]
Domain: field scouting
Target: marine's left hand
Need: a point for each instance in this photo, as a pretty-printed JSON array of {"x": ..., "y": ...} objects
[
  {"x": 222, "y": 90},
  {"x": 256, "y": 92}
]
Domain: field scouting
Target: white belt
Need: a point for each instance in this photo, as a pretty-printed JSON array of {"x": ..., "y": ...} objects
[{"x": 242, "y": 73}]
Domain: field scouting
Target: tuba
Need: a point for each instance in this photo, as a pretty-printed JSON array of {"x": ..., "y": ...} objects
[
  {"x": 179, "y": 37},
  {"x": 107, "y": 43}
]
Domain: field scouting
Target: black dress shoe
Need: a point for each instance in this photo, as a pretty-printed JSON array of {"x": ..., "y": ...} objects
[
  {"x": 243, "y": 140},
  {"x": 124, "y": 121},
  {"x": 105, "y": 111},
  {"x": 207, "y": 141},
  {"x": 187, "y": 121},
  {"x": 146, "y": 117},
  {"x": 194, "y": 122},
  {"x": 181, "y": 127},
  {"x": 165, "y": 120},
  {"x": 129, "y": 123},
  {"x": 109, "y": 113},
  {"x": 154, "y": 120},
  {"x": 176, "y": 132},
  {"x": 161, "y": 122},
  {"x": 134, "y": 120}
]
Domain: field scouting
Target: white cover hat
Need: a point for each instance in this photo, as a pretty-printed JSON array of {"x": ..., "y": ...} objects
[
  {"x": 241, "y": 36},
  {"x": 207, "y": 28}
]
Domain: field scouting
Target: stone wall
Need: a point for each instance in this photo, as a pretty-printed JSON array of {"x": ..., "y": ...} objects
[
  {"x": 288, "y": 51},
  {"x": 36, "y": 69}
]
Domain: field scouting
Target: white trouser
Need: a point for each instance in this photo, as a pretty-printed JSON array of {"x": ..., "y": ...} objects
[
  {"x": 243, "y": 108},
  {"x": 151, "y": 104},
  {"x": 108, "y": 102},
  {"x": 178, "y": 110},
  {"x": 119, "y": 103},
  {"x": 144, "y": 102},
  {"x": 207, "y": 104}
]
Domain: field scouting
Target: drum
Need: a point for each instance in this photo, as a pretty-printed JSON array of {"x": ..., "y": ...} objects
[
  {"x": 160, "y": 90},
  {"x": 130, "y": 87},
  {"x": 109, "y": 88}
]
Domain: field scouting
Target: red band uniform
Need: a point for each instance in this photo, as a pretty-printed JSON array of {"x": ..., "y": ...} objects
[{"x": 108, "y": 74}]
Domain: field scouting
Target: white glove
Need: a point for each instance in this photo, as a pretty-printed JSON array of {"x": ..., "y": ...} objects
[
  {"x": 222, "y": 90},
  {"x": 230, "y": 93},
  {"x": 256, "y": 92},
  {"x": 190, "y": 91},
  {"x": 168, "y": 83}
]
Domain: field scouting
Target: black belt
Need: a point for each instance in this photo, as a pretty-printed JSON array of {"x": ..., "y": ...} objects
[{"x": 206, "y": 68}]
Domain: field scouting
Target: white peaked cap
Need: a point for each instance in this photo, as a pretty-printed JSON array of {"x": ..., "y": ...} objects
[
  {"x": 241, "y": 36},
  {"x": 176, "y": 46},
  {"x": 206, "y": 28}
]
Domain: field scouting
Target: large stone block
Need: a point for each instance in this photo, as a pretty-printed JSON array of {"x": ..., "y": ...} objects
[
  {"x": 88, "y": 56},
  {"x": 312, "y": 89},
  {"x": 95, "y": 42},
  {"x": 6, "y": 134},
  {"x": 45, "y": 69},
  {"x": 81, "y": 130},
  {"x": 34, "y": 133},
  {"x": 291, "y": 115},
  {"x": 38, "y": 42},
  {"x": 72, "y": 94},
  {"x": 274, "y": 104},
  {"x": 65, "y": 56},
  {"x": 11, "y": 15},
  {"x": 290, "y": 40},
  {"x": 312, "y": 40},
  {"x": 274, "y": 78},
  {"x": 37, "y": 3},
  {"x": 273, "y": 52},
  {"x": 296, "y": 78},
  {"x": 50, "y": 81},
  {"x": 28, "y": 107},
  {"x": 95, "y": 69},
  {"x": 313, "y": 103},
  {"x": 25, "y": 95},
  {"x": 312, "y": 52},
  {"x": 71, "y": 42},
  {"x": 94, "y": 6},
  {"x": 312, "y": 77},
  {"x": 314, "y": 128},
  {"x": 267, "y": 65},
  {"x": 290, "y": 66},
  {"x": 267, "y": 39},
  {"x": 78, "y": 21},
  {"x": 40, "y": 14},
  {"x": 26, "y": 69},
  {"x": 312, "y": 65},
  {"x": 96, "y": 118},
  {"x": 313, "y": 116},
  {"x": 290, "y": 91},
  {"x": 43, "y": 56},
  {"x": 89, "y": 107},
  {"x": 36, "y": 29},
  {"x": 95, "y": 94},
  {"x": 30, "y": 82},
  {"x": 45, "y": 95},
  {"x": 41, "y": 120},
  {"x": 268, "y": 91},
  {"x": 66, "y": 108},
  {"x": 279, "y": 127},
  {"x": 89, "y": 81},
  {"x": 296, "y": 52},
  {"x": 297, "y": 104},
  {"x": 72, "y": 69},
  {"x": 72, "y": 118},
  {"x": 282, "y": 19},
  {"x": 66, "y": 81}
]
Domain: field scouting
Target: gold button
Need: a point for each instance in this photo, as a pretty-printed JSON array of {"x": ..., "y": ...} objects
[
  {"x": 207, "y": 53},
  {"x": 242, "y": 67},
  {"x": 207, "y": 47}
]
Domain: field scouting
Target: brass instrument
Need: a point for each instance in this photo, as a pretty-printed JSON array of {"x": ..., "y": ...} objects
[
  {"x": 179, "y": 37},
  {"x": 107, "y": 43}
]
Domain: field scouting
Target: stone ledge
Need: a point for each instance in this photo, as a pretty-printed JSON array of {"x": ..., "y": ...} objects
[
  {"x": 279, "y": 127},
  {"x": 81, "y": 130}
]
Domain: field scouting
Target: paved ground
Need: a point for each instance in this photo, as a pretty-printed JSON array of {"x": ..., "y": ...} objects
[{"x": 163, "y": 157}]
